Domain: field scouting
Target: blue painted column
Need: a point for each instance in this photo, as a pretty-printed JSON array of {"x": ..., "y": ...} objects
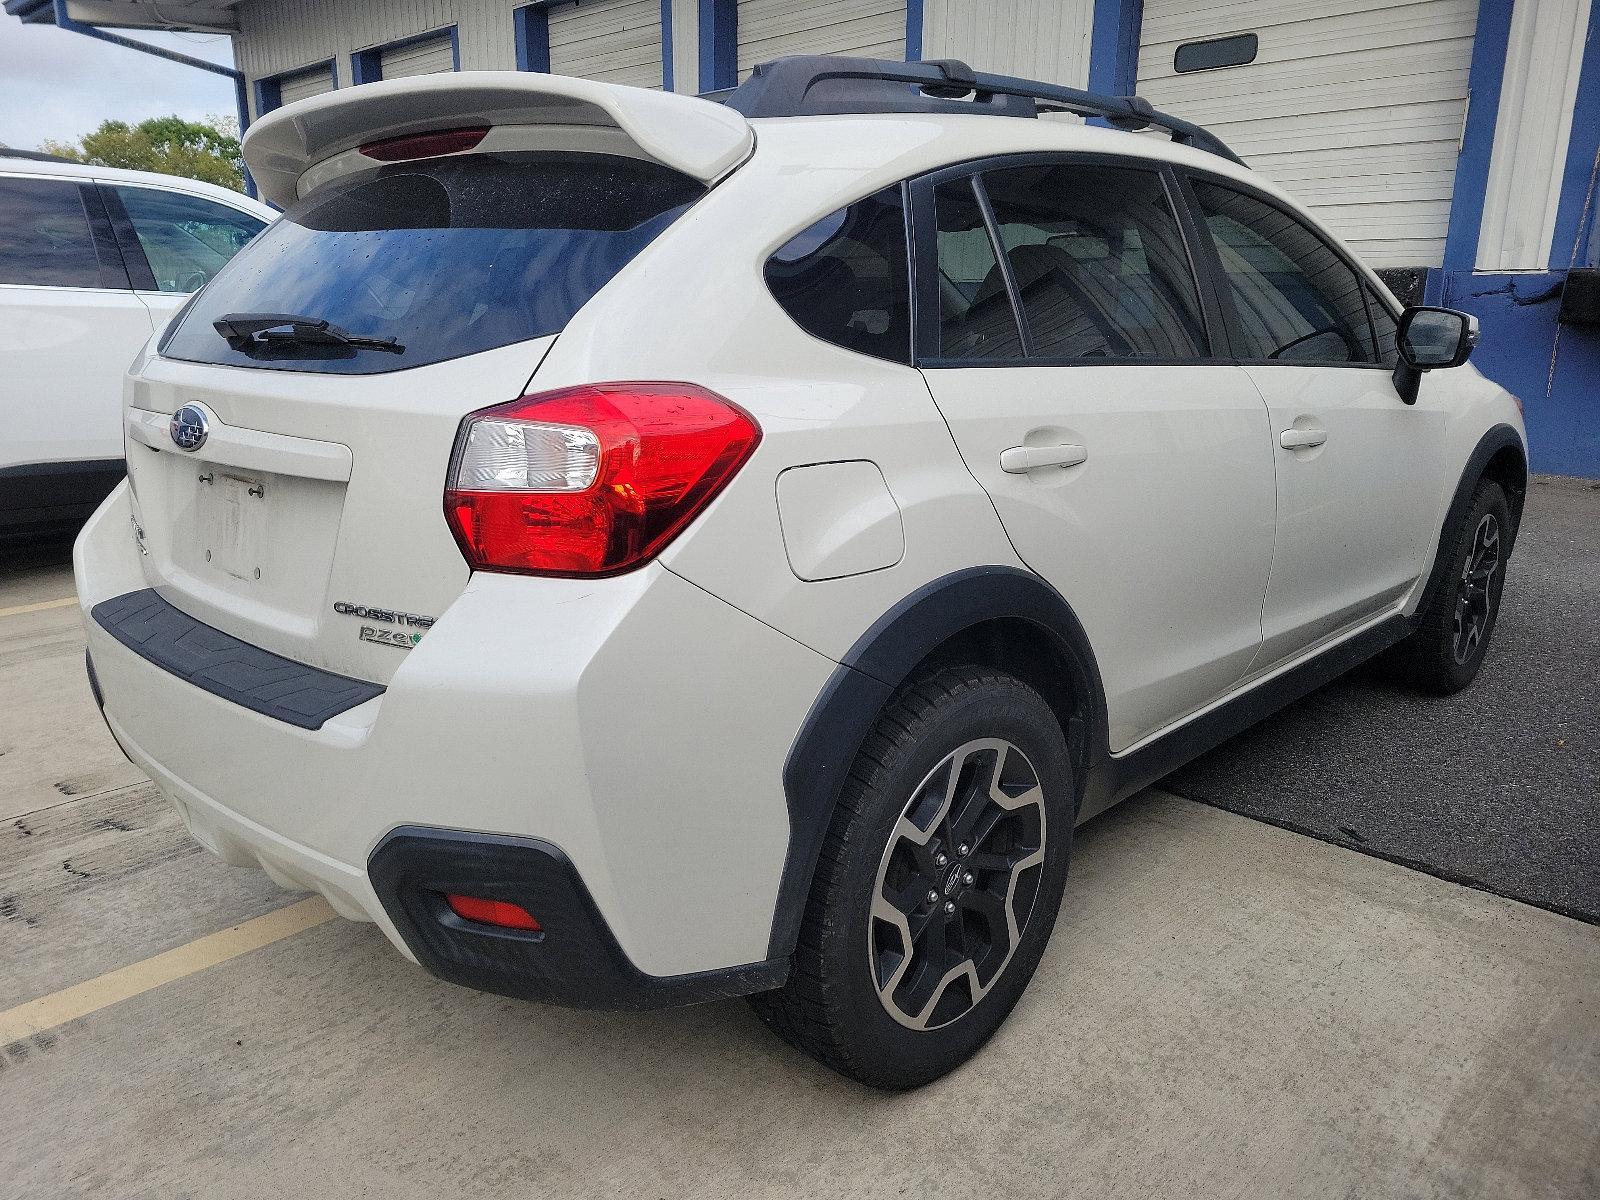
[
  {"x": 1575, "y": 244},
  {"x": 666, "y": 45},
  {"x": 1114, "y": 46},
  {"x": 366, "y": 66},
  {"x": 532, "y": 32},
  {"x": 719, "y": 44},
  {"x": 1477, "y": 141},
  {"x": 913, "y": 30}
]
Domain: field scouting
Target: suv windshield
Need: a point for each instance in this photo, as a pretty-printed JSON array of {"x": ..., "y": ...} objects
[{"x": 448, "y": 257}]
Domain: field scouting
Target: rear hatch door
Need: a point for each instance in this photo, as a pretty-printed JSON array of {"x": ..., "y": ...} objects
[{"x": 289, "y": 444}]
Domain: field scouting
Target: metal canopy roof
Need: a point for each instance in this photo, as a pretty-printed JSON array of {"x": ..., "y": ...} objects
[{"x": 199, "y": 16}]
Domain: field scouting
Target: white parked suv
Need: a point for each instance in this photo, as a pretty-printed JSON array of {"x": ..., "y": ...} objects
[
  {"x": 639, "y": 549},
  {"x": 92, "y": 260}
]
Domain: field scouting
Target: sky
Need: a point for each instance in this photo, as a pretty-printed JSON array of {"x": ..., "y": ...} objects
[{"x": 60, "y": 85}]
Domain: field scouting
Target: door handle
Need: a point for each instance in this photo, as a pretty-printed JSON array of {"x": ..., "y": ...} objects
[
  {"x": 1019, "y": 460},
  {"x": 1302, "y": 439}
]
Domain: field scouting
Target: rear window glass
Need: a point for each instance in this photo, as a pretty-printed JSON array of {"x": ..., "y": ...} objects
[{"x": 448, "y": 257}]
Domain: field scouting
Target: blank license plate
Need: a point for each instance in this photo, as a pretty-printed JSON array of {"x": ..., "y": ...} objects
[{"x": 235, "y": 512}]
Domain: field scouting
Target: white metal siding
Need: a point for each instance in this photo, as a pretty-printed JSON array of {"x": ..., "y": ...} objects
[
  {"x": 1531, "y": 133},
  {"x": 618, "y": 41},
  {"x": 1036, "y": 39},
  {"x": 431, "y": 56},
  {"x": 1355, "y": 106},
  {"x": 773, "y": 28},
  {"x": 686, "y": 46},
  {"x": 304, "y": 83}
]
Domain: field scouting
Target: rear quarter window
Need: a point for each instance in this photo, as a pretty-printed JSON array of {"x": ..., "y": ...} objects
[
  {"x": 449, "y": 257},
  {"x": 846, "y": 278}
]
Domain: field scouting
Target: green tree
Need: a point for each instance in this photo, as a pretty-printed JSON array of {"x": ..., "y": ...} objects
[{"x": 208, "y": 150}]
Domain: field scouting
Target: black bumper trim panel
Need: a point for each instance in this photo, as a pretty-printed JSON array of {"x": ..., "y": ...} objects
[
  {"x": 221, "y": 664},
  {"x": 574, "y": 961}
]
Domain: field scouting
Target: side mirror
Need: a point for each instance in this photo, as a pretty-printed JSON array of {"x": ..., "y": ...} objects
[{"x": 1430, "y": 338}]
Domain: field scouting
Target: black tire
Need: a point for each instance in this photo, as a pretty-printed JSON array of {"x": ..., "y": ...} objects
[
  {"x": 831, "y": 1006},
  {"x": 1446, "y": 650}
]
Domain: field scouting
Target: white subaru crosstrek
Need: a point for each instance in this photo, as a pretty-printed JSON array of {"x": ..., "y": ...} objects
[{"x": 639, "y": 549}]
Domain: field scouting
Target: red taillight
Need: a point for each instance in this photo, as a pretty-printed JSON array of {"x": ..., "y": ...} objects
[
  {"x": 590, "y": 480},
  {"x": 492, "y": 912},
  {"x": 424, "y": 145}
]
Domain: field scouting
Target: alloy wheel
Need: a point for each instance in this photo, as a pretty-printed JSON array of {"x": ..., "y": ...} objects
[
  {"x": 956, "y": 884},
  {"x": 1473, "y": 593}
]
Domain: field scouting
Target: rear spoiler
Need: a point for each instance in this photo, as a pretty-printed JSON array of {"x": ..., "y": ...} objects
[{"x": 699, "y": 138}]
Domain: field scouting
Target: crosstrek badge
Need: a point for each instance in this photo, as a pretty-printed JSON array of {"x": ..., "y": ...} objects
[
  {"x": 393, "y": 616},
  {"x": 412, "y": 625}
]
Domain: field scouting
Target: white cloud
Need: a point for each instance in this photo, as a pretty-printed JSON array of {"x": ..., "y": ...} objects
[{"x": 60, "y": 85}]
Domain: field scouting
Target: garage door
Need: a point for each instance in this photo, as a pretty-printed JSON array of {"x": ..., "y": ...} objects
[
  {"x": 773, "y": 28},
  {"x": 1036, "y": 39},
  {"x": 426, "y": 57},
  {"x": 304, "y": 83},
  {"x": 1356, "y": 106},
  {"x": 618, "y": 41}
]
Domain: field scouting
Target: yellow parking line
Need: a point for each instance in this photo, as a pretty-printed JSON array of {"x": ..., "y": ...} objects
[
  {"x": 81, "y": 999},
  {"x": 39, "y": 607}
]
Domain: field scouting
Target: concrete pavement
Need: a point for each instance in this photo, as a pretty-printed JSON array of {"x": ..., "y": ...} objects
[
  {"x": 1499, "y": 786},
  {"x": 1227, "y": 1009}
]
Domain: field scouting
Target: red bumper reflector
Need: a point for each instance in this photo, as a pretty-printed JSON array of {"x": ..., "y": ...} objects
[{"x": 492, "y": 912}]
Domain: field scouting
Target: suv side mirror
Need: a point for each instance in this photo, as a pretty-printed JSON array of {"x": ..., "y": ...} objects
[{"x": 1430, "y": 338}]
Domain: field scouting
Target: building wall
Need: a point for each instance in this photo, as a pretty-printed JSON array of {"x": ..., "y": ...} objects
[
  {"x": 768, "y": 29},
  {"x": 280, "y": 35},
  {"x": 1533, "y": 131},
  {"x": 1527, "y": 197},
  {"x": 1355, "y": 106},
  {"x": 1358, "y": 107},
  {"x": 1036, "y": 39},
  {"x": 617, "y": 41}
]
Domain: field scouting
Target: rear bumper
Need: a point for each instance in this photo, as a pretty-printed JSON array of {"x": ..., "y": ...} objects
[
  {"x": 573, "y": 960},
  {"x": 638, "y": 724}
]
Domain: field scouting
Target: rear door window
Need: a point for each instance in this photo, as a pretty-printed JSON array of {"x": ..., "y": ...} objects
[
  {"x": 185, "y": 239},
  {"x": 45, "y": 239},
  {"x": 449, "y": 257},
  {"x": 1098, "y": 261},
  {"x": 976, "y": 320}
]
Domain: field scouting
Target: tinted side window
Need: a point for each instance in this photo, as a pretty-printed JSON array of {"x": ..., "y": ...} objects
[
  {"x": 976, "y": 320},
  {"x": 1297, "y": 300},
  {"x": 845, "y": 279},
  {"x": 44, "y": 235},
  {"x": 185, "y": 239},
  {"x": 1099, "y": 262}
]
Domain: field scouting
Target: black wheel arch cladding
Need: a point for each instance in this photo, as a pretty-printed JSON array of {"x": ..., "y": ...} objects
[
  {"x": 1500, "y": 456},
  {"x": 884, "y": 658}
]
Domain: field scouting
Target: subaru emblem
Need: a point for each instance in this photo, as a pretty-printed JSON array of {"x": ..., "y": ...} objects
[{"x": 189, "y": 427}]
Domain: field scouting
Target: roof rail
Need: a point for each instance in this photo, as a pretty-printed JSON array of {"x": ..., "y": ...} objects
[
  {"x": 828, "y": 85},
  {"x": 34, "y": 155}
]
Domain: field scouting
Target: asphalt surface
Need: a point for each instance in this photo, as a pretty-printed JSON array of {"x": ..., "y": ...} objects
[{"x": 1498, "y": 787}]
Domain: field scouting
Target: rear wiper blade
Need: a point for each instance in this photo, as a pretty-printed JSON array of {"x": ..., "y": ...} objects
[{"x": 255, "y": 329}]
